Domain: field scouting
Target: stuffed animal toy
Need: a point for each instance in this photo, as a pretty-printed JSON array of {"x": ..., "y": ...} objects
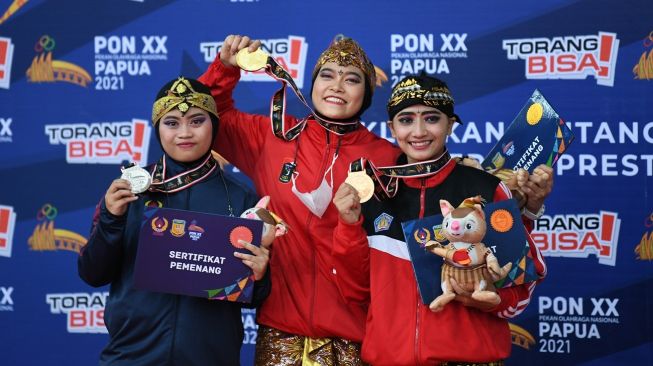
[
  {"x": 273, "y": 226},
  {"x": 466, "y": 258}
]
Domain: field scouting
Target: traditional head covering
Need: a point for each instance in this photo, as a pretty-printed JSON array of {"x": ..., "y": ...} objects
[
  {"x": 183, "y": 93},
  {"x": 345, "y": 51},
  {"x": 421, "y": 89}
]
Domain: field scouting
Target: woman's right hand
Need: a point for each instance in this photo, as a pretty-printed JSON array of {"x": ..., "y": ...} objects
[
  {"x": 234, "y": 43},
  {"x": 348, "y": 203},
  {"x": 118, "y": 197}
]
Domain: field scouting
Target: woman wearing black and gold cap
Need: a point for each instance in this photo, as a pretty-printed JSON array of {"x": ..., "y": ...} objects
[
  {"x": 149, "y": 328},
  {"x": 370, "y": 249},
  {"x": 298, "y": 163}
]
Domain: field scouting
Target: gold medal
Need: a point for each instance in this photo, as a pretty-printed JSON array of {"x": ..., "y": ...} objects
[
  {"x": 138, "y": 177},
  {"x": 363, "y": 184},
  {"x": 251, "y": 61}
]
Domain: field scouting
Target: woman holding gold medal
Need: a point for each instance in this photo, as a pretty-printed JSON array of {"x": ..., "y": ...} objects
[
  {"x": 150, "y": 328},
  {"x": 371, "y": 259},
  {"x": 298, "y": 163}
]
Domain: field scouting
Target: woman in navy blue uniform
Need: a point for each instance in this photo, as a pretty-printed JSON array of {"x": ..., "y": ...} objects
[{"x": 148, "y": 328}]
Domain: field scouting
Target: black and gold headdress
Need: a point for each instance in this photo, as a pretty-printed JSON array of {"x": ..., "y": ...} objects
[
  {"x": 182, "y": 96},
  {"x": 424, "y": 90},
  {"x": 346, "y": 52}
]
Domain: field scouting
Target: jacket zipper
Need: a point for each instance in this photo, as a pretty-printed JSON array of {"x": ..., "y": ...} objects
[
  {"x": 320, "y": 176},
  {"x": 422, "y": 198}
]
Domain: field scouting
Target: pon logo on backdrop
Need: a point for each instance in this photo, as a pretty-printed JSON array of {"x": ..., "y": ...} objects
[
  {"x": 643, "y": 70},
  {"x": 411, "y": 54},
  {"x": 84, "y": 311},
  {"x": 6, "y": 58},
  {"x": 46, "y": 238},
  {"x": 290, "y": 53},
  {"x": 7, "y": 225},
  {"x": 13, "y": 7},
  {"x": 119, "y": 57},
  {"x": 579, "y": 236},
  {"x": 567, "y": 57},
  {"x": 521, "y": 337},
  {"x": 644, "y": 250},
  {"x": 46, "y": 70},
  {"x": 102, "y": 142}
]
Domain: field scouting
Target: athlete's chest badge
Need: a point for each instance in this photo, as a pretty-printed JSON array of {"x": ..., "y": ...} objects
[{"x": 382, "y": 222}]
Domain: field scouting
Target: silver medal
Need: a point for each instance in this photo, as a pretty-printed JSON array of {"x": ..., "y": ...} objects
[{"x": 139, "y": 178}]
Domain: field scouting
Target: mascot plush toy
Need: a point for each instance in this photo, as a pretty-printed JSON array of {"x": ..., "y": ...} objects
[
  {"x": 273, "y": 226},
  {"x": 466, "y": 258}
]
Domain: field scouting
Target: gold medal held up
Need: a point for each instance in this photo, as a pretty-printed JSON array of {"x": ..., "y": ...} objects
[
  {"x": 362, "y": 183},
  {"x": 251, "y": 61}
]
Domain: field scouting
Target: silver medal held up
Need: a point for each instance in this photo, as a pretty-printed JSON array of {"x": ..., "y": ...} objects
[{"x": 139, "y": 178}]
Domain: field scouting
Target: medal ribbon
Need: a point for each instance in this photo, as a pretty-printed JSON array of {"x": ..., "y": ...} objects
[
  {"x": 180, "y": 181},
  {"x": 278, "y": 107},
  {"x": 386, "y": 177}
]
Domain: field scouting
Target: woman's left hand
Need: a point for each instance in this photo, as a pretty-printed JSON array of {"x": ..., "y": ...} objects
[
  {"x": 257, "y": 261},
  {"x": 537, "y": 187}
]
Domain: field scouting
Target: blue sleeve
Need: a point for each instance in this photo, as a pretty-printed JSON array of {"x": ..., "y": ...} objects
[
  {"x": 100, "y": 261},
  {"x": 261, "y": 290}
]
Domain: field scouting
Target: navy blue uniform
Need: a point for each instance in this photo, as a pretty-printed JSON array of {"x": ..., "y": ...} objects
[{"x": 148, "y": 328}]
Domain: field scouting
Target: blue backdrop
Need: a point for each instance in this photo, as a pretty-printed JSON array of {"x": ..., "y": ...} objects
[{"x": 77, "y": 81}]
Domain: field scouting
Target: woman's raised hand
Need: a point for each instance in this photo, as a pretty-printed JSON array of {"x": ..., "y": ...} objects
[{"x": 234, "y": 43}]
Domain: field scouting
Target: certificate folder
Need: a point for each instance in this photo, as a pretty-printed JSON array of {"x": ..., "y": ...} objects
[
  {"x": 536, "y": 136},
  {"x": 191, "y": 253}
]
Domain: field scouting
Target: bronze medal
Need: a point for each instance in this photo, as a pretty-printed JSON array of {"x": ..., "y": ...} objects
[
  {"x": 362, "y": 183},
  {"x": 251, "y": 61}
]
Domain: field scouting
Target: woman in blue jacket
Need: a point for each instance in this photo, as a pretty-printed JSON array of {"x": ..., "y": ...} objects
[{"x": 148, "y": 328}]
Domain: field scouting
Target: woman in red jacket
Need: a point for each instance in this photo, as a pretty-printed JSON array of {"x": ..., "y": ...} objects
[
  {"x": 371, "y": 261},
  {"x": 304, "y": 319}
]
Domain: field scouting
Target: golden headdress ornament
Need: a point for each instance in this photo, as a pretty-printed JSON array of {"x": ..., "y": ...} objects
[
  {"x": 345, "y": 51},
  {"x": 182, "y": 96},
  {"x": 421, "y": 89}
]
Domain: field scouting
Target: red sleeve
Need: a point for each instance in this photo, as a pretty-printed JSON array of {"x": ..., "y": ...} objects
[
  {"x": 240, "y": 135},
  {"x": 351, "y": 261},
  {"x": 514, "y": 299}
]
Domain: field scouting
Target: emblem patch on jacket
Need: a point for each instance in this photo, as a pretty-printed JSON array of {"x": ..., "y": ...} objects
[{"x": 382, "y": 222}]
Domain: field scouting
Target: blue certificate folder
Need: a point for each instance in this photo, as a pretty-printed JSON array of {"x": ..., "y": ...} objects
[
  {"x": 536, "y": 136},
  {"x": 191, "y": 253},
  {"x": 509, "y": 246}
]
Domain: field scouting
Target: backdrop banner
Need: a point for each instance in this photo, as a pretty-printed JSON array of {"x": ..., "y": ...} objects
[{"x": 78, "y": 79}]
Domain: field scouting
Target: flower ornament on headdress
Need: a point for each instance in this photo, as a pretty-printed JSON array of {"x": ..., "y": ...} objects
[
  {"x": 345, "y": 51},
  {"x": 182, "y": 96},
  {"x": 424, "y": 90}
]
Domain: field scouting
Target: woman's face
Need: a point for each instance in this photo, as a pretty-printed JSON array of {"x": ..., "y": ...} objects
[
  {"x": 186, "y": 138},
  {"x": 421, "y": 132},
  {"x": 338, "y": 91}
]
